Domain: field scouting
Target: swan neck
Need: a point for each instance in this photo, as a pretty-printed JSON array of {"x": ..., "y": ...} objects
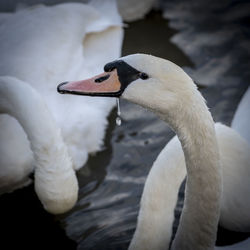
[
  {"x": 199, "y": 220},
  {"x": 55, "y": 180},
  {"x": 38, "y": 124},
  {"x": 19, "y": 100}
]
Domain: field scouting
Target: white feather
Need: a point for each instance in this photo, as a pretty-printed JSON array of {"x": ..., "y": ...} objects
[{"x": 44, "y": 46}]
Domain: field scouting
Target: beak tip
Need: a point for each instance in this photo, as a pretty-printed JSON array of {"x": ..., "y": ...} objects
[{"x": 60, "y": 88}]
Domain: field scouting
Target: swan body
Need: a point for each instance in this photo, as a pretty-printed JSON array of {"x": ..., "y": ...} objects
[
  {"x": 166, "y": 89},
  {"x": 54, "y": 43},
  {"x": 55, "y": 180},
  {"x": 241, "y": 119}
]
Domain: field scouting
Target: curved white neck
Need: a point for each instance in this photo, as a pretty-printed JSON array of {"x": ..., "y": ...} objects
[
  {"x": 21, "y": 101},
  {"x": 194, "y": 127},
  {"x": 55, "y": 180}
]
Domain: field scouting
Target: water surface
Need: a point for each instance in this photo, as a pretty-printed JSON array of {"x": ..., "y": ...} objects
[{"x": 111, "y": 183}]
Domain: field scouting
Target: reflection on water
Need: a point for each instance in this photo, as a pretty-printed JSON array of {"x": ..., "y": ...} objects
[{"x": 216, "y": 38}]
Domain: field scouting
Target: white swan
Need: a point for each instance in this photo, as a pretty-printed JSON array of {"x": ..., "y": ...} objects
[
  {"x": 241, "y": 118},
  {"x": 166, "y": 89},
  {"x": 42, "y": 45},
  {"x": 55, "y": 180}
]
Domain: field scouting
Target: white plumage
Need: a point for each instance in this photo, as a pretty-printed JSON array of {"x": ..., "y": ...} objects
[
  {"x": 42, "y": 46},
  {"x": 166, "y": 175},
  {"x": 55, "y": 180},
  {"x": 241, "y": 118},
  {"x": 154, "y": 227}
]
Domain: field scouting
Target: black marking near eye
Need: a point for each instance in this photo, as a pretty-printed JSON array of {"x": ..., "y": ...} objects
[
  {"x": 125, "y": 72},
  {"x": 102, "y": 78},
  {"x": 112, "y": 65},
  {"x": 126, "y": 75}
]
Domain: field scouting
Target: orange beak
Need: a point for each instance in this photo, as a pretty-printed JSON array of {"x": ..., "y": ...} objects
[{"x": 105, "y": 84}]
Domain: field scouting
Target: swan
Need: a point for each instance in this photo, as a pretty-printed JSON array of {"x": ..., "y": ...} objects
[
  {"x": 54, "y": 43},
  {"x": 241, "y": 118},
  {"x": 165, "y": 89},
  {"x": 55, "y": 180}
]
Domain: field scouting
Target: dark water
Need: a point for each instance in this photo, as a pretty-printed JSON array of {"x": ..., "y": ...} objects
[
  {"x": 216, "y": 38},
  {"x": 111, "y": 183}
]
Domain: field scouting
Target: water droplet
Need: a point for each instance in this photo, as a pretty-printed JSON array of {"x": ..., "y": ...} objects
[
  {"x": 118, "y": 121},
  {"x": 118, "y": 118}
]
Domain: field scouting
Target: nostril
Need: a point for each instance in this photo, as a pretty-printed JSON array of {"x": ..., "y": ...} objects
[{"x": 102, "y": 78}]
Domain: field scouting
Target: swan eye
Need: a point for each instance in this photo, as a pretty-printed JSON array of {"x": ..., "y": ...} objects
[{"x": 143, "y": 76}]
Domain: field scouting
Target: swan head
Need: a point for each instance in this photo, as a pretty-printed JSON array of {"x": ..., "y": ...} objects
[{"x": 149, "y": 81}]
